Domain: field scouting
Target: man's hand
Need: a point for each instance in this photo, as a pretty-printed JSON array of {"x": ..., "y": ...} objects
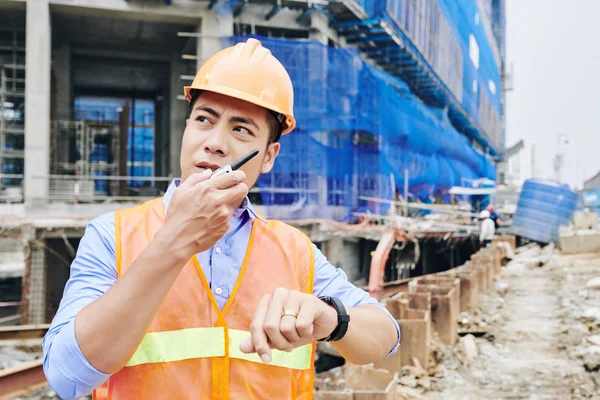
[
  {"x": 288, "y": 319},
  {"x": 199, "y": 211}
]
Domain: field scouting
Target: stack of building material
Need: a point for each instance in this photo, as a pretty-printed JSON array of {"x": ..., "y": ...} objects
[
  {"x": 361, "y": 383},
  {"x": 469, "y": 285},
  {"x": 510, "y": 239},
  {"x": 432, "y": 302},
  {"x": 412, "y": 311},
  {"x": 485, "y": 259},
  {"x": 445, "y": 304}
]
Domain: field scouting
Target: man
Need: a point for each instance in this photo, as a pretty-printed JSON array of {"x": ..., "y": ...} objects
[
  {"x": 494, "y": 215},
  {"x": 194, "y": 295},
  {"x": 487, "y": 228}
]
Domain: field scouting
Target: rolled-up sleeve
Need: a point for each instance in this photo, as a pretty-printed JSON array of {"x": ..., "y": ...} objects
[
  {"x": 332, "y": 281},
  {"x": 93, "y": 272}
]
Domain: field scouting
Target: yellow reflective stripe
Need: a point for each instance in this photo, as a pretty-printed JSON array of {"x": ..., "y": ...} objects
[
  {"x": 179, "y": 345},
  {"x": 299, "y": 358},
  {"x": 191, "y": 343}
]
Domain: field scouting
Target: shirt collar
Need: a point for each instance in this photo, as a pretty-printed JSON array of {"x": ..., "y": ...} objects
[{"x": 238, "y": 212}]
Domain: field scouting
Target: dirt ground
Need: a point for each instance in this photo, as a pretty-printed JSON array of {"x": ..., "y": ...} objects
[{"x": 540, "y": 341}]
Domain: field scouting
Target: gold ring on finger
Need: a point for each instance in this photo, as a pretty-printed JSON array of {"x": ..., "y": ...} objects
[{"x": 290, "y": 313}]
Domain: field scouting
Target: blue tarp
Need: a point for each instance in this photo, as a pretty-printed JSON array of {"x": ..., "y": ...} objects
[{"x": 357, "y": 126}]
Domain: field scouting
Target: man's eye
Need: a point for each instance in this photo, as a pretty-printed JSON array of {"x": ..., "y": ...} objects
[
  {"x": 243, "y": 130},
  {"x": 203, "y": 120}
]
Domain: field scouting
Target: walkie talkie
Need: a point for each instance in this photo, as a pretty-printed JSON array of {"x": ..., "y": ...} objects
[{"x": 236, "y": 165}]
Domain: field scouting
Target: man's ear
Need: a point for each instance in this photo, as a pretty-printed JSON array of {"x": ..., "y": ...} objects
[
  {"x": 186, "y": 121},
  {"x": 269, "y": 160}
]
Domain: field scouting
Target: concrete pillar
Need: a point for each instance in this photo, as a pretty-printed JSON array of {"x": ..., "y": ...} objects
[
  {"x": 177, "y": 115},
  {"x": 215, "y": 26},
  {"x": 61, "y": 68},
  {"x": 320, "y": 27},
  {"x": 162, "y": 134},
  {"x": 37, "y": 286},
  {"x": 37, "y": 100}
]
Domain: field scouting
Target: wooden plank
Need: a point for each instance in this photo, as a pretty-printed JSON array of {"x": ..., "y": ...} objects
[
  {"x": 23, "y": 331},
  {"x": 15, "y": 380}
]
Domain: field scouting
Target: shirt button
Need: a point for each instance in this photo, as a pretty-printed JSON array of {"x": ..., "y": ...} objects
[
  {"x": 219, "y": 290},
  {"x": 218, "y": 250}
]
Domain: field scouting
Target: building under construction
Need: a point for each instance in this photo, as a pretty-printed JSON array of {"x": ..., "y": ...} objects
[{"x": 396, "y": 100}]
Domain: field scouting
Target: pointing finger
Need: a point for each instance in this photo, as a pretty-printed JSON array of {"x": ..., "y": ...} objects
[{"x": 259, "y": 337}]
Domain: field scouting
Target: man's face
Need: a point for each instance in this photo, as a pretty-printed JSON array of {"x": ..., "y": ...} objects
[{"x": 222, "y": 129}]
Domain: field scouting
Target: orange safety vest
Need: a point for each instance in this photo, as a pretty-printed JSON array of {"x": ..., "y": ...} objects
[{"x": 191, "y": 349}]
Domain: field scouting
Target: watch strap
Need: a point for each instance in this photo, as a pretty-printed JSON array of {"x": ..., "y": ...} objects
[{"x": 343, "y": 319}]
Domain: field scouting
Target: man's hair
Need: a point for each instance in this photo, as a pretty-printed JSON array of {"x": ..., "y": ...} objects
[{"x": 272, "y": 122}]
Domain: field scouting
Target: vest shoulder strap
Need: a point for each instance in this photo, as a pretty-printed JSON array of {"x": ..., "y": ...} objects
[
  {"x": 134, "y": 225},
  {"x": 296, "y": 244}
]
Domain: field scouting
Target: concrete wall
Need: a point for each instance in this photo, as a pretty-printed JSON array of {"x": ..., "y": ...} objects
[{"x": 344, "y": 254}]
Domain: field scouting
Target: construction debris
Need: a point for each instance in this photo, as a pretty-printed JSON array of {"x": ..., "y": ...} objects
[
  {"x": 469, "y": 346},
  {"x": 593, "y": 283},
  {"x": 429, "y": 315},
  {"x": 11, "y": 356}
]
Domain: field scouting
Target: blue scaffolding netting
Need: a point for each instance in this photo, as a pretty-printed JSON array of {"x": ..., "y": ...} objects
[{"x": 359, "y": 129}]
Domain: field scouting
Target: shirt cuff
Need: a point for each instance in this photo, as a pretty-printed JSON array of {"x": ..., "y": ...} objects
[
  {"x": 395, "y": 348},
  {"x": 68, "y": 371}
]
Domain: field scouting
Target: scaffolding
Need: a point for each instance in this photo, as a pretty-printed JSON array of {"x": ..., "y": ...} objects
[{"x": 12, "y": 105}]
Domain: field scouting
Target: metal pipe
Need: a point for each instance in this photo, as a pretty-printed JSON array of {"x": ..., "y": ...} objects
[{"x": 433, "y": 207}]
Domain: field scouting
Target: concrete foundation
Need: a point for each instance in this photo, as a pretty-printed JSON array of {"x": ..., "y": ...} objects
[
  {"x": 412, "y": 312},
  {"x": 510, "y": 239},
  {"x": 580, "y": 242},
  {"x": 445, "y": 307},
  {"x": 585, "y": 220},
  {"x": 469, "y": 287},
  {"x": 362, "y": 383}
]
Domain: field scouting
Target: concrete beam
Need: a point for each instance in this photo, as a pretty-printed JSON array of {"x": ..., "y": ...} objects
[
  {"x": 181, "y": 11},
  {"x": 125, "y": 55},
  {"x": 13, "y": 4},
  {"x": 37, "y": 100},
  {"x": 254, "y": 14}
]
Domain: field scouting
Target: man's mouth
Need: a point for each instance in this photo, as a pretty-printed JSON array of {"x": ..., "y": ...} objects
[{"x": 207, "y": 165}]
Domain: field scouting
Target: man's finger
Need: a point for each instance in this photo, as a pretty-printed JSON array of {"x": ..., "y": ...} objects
[
  {"x": 273, "y": 320},
  {"x": 287, "y": 325},
  {"x": 194, "y": 179},
  {"x": 228, "y": 180},
  {"x": 305, "y": 323},
  {"x": 234, "y": 195},
  {"x": 259, "y": 337}
]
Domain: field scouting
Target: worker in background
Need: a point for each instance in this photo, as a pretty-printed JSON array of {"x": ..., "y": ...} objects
[
  {"x": 494, "y": 215},
  {"x": 196, "y": 296},
  {"x": 488, "y": 228}
]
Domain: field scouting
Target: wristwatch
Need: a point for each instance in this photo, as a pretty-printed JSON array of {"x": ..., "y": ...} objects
[{"x": 343, "y": 319}]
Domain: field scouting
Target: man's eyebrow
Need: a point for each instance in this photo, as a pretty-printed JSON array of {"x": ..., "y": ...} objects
[
  {"x": 209, "y": 110},
  {"x": 245, "y": 120}
]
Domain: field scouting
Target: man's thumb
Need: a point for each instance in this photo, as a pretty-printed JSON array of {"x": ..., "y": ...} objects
[{"x": 247, "y": 346}]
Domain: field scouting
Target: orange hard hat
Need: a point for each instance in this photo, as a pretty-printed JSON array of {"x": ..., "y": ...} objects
[{"x": 248, "y": 71}]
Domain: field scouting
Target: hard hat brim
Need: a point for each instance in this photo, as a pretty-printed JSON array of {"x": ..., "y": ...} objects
[{"x": 288, "y": 124}]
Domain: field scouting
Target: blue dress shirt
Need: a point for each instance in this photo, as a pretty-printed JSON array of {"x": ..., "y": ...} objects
[{"x": 94, "y": 271}]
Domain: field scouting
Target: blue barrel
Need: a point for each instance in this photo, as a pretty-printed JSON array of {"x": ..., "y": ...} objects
[{"x": 544, "y": 206}]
